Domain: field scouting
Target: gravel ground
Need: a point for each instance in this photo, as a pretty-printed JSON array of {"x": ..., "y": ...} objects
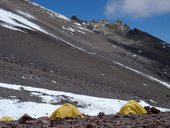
[{"x": 160, "y": 120}]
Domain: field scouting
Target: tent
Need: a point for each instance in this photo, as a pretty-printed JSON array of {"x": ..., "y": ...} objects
[
  {"x": 132, "y": 107},
  {"x": 6, "y": 118},
  {"x": 66, "y": 110}
]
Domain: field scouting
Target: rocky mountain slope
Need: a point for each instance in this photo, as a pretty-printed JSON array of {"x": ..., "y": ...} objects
[{"x": 43, "y": 49}]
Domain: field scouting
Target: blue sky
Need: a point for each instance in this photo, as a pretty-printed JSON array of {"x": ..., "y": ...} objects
[{"x": 152, "y": 16}]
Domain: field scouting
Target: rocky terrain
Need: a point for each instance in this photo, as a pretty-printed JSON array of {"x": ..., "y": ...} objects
[
  {"x": 43, "y": 49},
  {"x": 160, "y": 120}
]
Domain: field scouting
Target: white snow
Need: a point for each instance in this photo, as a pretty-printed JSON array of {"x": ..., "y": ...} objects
[
  {"x": 11, "y": 27},
  {"x": 165, "y": 72},
  {"x": 85, "y": 29},
  {"x": 81, "y": 49},
  {"x": 52, "y": 13},
  {"x": 79, "y": 26},
  {"x": 101, "y": 74},
  {"x": 134, "y": 55},
  {"x": 26, "y": 14},
  {"x": 146, "y": 104},
  {"x": 70, "y": 29},
  {"x": 15, "y": 20},
  {"x": 23, "y": 77},
  {"x": 145, "y": 85},
  {"x": 53, "y": 81},
  {"x": 80, "y": 31},
  {"x": 113, "y": 46},
  {"x": 115, "y": 68},
  {"x": 51, "y": 71},
  {"x": 145, "y": 75},
  {"x": 16, "y": 109},
  {"x": 91, "y": 105},
  {"x": 153, "y": 101},
  {"x": 93, "y": 53}
]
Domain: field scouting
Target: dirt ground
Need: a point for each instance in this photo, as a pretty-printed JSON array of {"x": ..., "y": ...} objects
[{"x": 160, "y": 120}]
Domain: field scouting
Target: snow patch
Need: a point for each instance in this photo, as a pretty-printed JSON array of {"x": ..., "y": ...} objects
[
  {"x": 101, "y": 74},
  {"x": 11, "y": 27},
  {"x": 91, "y": 105},
  {"x": 53, "y": 81},
  {"x": 153, "y": 101},
  {"x": 145, "y": 75},
  {"x": 52, "y": 13},
  {"x": 26, "y": 14},
  {"x": 146, "y": 104},
  {"x": 72, "y": 30},
  {"x": 113, "y": 46},
  {"x": 81, "y": 31},
  {"x": 115, "y": 68},
  {"x": 16, "y": 109},
  {"x": 23, "y": 77},
  {"x": 81, "y": 49},
  {"x": 15, "y": 20},
  {"x": 68, "y": 29},
  {"x": 79, "y": 26},
  {"x": 145, "y": 85},
  {"x": 85, "y": 29},
  {"x": 134, "y": 55}
]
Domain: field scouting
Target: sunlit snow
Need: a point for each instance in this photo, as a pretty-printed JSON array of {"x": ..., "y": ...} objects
[
  {"x": 15, "y": 20},
  {"x": 52, "y": 13},
  {"x": 11, "y": 27},
  {"x": 26, "y": 14},
  {"x": 89, "y": 105}
]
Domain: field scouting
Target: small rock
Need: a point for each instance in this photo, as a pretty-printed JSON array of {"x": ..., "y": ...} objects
[
  {"x": 25, "y": 118},
  {"x": 89, "y": 126},
  {"x": 152, "y": 110},
  {"x": 116, "y": 116},
  {"x": 21, "y": 88},
  {"x": 100, "y": 114},
  {"x": 155, "y": 110}
]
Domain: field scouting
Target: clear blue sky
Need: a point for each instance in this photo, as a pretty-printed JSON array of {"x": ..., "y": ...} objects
[{"x": 155, "y": 22}]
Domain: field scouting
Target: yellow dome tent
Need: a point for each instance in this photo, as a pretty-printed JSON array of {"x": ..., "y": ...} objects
[
  {"x": 132, "y": 107},
  {"x": 66, "y": 110},
  {"x": 6, "y": 118}
]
